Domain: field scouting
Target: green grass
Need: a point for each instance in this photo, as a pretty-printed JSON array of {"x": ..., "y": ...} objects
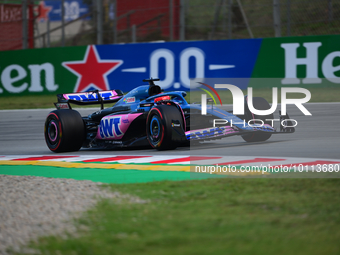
[
  {"x": 46, "y": 101},
  {"x": 216, "y": 216},
  {"x": 27, "y": 102},
  {"x": 33, "y": 102}
]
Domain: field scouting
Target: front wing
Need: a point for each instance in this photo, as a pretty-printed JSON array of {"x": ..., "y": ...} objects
[{"x": 286, "y": 127}]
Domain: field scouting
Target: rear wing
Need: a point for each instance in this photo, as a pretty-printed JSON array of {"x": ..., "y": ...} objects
[{"x": 88, "y": 98}]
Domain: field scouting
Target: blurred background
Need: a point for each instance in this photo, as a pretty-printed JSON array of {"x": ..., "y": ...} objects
[{"x": 54, "y": 23}]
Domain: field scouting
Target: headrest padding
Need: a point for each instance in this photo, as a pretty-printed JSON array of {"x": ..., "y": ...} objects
[{"x": 154, "y": 90}]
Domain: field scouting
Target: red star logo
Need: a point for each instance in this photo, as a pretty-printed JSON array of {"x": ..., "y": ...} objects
[
  {"x": 92, "y": 71},
  {"x": 43, "y": 11}
]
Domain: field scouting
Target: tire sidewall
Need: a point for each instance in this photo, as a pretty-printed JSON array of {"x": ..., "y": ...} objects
[
  {"x": 53, "y": 121},
  {"x": 165, "y": 115},
  {"x": 155, "y": 115}
]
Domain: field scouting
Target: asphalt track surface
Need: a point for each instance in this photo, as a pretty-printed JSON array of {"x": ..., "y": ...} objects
[{"x": 316, "y": 136}]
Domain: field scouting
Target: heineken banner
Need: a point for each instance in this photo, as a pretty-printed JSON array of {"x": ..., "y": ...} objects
[{"x": 297, "y": 61}]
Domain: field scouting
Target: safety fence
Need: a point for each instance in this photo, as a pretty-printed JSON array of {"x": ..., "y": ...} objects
[{"x": 53, "y": 23}]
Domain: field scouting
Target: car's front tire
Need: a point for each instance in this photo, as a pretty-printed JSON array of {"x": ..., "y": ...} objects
[
  {"x": 159, "y": 126},
  {"x": 259, "y": 103}
]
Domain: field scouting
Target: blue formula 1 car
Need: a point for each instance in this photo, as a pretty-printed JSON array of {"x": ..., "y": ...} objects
[{"x": 148, "y": 116}]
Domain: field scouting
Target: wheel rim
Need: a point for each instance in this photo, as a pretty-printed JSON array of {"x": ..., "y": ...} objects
[
  {"x": 155, "y": 129},
  {"x": 52, "y": 131}
]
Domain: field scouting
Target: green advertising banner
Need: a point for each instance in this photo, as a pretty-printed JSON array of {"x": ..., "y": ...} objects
[
  {"x": 308, "y": 61},
  {"x": 37, "y": 71},
  {"x": 299, "y": 61}
]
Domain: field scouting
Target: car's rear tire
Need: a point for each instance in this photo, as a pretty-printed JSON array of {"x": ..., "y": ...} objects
[
  {"x": 259, "y": 103},
  {"x": 159, "y": 126},
  {"x": 64, "y": 131}
]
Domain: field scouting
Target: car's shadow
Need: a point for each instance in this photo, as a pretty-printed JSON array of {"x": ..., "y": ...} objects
[
  {"x": 192, "y": 146},
  {"x": 211, "y": 145}
]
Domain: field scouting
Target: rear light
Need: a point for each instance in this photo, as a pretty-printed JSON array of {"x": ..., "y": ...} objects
[{"x": 163, "y": 98}]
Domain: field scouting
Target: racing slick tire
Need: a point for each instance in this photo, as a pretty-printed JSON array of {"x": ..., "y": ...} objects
[
  {"x": 159, "y": 126},
  {"x": 259, "y": 103},
  {"x": 64, "y": 131}
]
